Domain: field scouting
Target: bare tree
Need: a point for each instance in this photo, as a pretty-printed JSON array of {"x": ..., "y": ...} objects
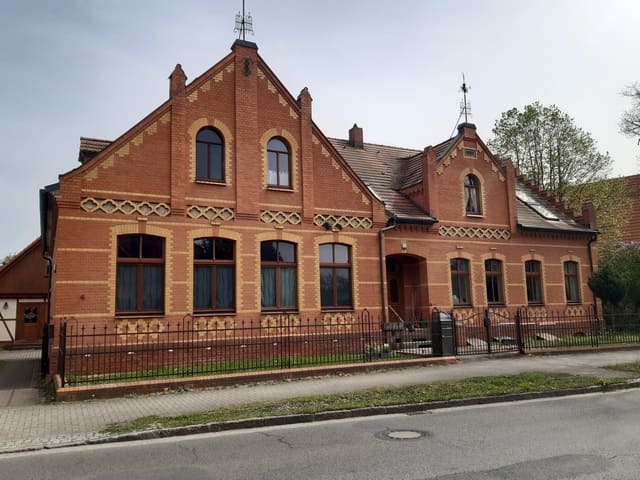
[{"x": 630, "y": 120}]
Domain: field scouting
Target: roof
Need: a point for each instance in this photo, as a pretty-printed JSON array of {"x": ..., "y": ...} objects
[
  {"x": 379, "y": 167},
  {"x": 90, "y": 147},
  {"x": 387, "y": 170}
]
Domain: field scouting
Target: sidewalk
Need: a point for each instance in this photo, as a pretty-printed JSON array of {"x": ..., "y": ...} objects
[{"x": 56, "y": 424}]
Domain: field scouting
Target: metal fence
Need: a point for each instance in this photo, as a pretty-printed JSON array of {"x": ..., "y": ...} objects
[
  {"x": 199, "y": 346},
  {"x": 494, "y": 331},
  {"x": 90, "y": 354}
]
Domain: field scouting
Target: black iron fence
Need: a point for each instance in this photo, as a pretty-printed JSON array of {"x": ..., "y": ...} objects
[
  {"x": 205, "y": 346},
  {"x": 138, "y": 349},
  {"x": 494, "y": 331}
]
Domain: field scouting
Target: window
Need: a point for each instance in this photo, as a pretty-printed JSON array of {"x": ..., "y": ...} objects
[
  {"x": 209, "y": 156},
  {"x": 533, "y": 271},
  {"x": 278, "y": 164},
  {"x": 493, "y": 278},
  {"x": 278, "y": 275},
  {"x": 335, "y": 276},
  {"x": 460, "y": 281},
  {"x": 140, "y": 274},
  {"x": 213, "y": 274},
  {"x": 571, "y": 282},
  {"x": 472, "y": 195}
]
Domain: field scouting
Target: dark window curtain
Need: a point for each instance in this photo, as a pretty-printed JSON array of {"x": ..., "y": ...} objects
[
  {"x": 326, "y": 287},
  {"x": 343, "y": 279},
  {"x": 268, "y": 287},
  {"x": 288, "y": 287},
  {"x": 127, "y": 282},
  {"x": 202, "y": 288},
  {"x": 152, "y": 287},
  {"x": 224, "y": 287}
]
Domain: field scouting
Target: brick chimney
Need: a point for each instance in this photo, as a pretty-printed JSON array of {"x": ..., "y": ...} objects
[
  {"x": 177, "y": 81},
  {"x": 355, "y": 137}
]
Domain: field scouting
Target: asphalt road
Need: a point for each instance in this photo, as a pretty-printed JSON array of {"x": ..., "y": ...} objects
[{"x": 582, "y": 437}]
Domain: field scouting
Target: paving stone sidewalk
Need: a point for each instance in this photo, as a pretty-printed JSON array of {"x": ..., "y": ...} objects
[{"x": 57, "y": 424}]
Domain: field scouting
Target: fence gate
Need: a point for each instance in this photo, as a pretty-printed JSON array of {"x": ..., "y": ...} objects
[{"x": 487, "y": 332}]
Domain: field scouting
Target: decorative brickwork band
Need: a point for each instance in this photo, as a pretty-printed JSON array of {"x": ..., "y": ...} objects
[
  {"x": 139, "y": 330},
  {"x": 127, "y": 207},
  {"x": 339, "y": 321},
  {"x": 474, "y": 232},
  {"x": 280, "y": 324},
  {"x": 342, "y": 221},
  {"x": 214, "y": 326},
  {"x": 293, "y": 218},
  {"x": 210, "y": 213}
]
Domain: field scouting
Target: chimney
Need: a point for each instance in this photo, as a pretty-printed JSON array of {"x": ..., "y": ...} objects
[
  {"x": 355, "y": 137},
  {"x": 177, "y": 81},
  {"x": 468, "y": 130}
]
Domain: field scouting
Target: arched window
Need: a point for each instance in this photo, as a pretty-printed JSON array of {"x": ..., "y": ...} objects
[
  {"x": 278, "y": 164},
  {"x": 493, "y": 277},
  {"x": 335, "y": 276},
  {"x": 209, "y": 155},
  {"x": 278, "y": 275},
  {"x": 472, "y": 195},
  {"x": 571, "y": 285},
  {"x": 460, "y": 282},
  {"x": 533, "y": 271},
  {"x": 140, "y": 274},
  {"x": 213, "y": 274}
]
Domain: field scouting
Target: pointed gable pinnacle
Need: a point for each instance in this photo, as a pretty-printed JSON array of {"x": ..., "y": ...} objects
[
  {"x": 304, "y": 102},
  {"x": 177, "y": 81}
]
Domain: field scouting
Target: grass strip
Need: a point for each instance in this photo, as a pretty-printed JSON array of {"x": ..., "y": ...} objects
[
  {"x": 633, "y": 367},
  {"x": 373, "y": 397}
]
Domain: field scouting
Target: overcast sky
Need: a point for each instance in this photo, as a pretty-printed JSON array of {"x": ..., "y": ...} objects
[{"x": 94, "y": 68}]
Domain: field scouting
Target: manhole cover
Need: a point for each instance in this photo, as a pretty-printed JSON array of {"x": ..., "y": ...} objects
[{"x": 402, "y": 434}]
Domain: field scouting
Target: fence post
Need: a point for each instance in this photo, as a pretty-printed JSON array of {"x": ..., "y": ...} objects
[
  {"x": 594, "y": 328},
  {"x": 519, "y": 336},
  {"x": 62, "y": 348},
  {"x": 487, "y": 328}
]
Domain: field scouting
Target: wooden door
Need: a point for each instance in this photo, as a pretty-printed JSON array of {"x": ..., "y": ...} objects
[
  {"x": 31, "y": 320},
  {"x": 395, "y": 291}
]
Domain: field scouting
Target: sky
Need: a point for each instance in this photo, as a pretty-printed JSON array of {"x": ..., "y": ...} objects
[{"x": 94, "y": 68}]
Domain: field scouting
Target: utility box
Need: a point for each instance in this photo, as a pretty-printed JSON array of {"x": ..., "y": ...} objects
[{"x": 442, "y": 335}]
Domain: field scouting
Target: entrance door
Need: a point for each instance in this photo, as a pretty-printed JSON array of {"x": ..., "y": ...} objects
[
  {"x": 395, "y": 291},
  {"x": 31, "y": 320}
]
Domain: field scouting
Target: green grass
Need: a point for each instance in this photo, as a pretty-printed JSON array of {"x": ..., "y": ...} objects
[
  {"x": 468, "y": 388},
  {"x": 225, "y": 367},
  {"x": 633, "y": 367}
]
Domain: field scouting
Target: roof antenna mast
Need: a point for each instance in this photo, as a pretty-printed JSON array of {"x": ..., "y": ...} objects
[
  {"x": 244, "y": 24},
  {"x": 465, "y": 107}
]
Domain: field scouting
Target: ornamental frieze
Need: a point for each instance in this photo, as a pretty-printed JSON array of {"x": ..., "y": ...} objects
[
  {"x": 342, "y": 221},
  {"x": 126, "y": 207},
  {"x": 281, "y": 218},
  {"x": 210, "y": 213},
  {"x": 474, "y": 232}
]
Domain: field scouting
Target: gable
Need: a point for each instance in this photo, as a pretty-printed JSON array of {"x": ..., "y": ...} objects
[{"x": 26, "y": 273}]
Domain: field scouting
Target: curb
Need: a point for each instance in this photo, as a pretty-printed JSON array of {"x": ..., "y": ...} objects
[{"x": 333, "y": 415}]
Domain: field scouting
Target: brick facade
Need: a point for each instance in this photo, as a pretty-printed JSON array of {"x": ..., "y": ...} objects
[{"x": 145, "y": 183}]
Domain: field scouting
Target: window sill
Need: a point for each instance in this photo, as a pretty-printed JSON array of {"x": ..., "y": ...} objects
[
  {"x": 275, "y": 188},
  {"x": 463, "y": 305},
  {"x": 475, "y": 215},
  {"x": 125, "y": 316},
  {"x": 220, "y": 183},
  {"x": 213, "y": 313},
  {"x": 337, "y": 310},
  {"x": 278, "y": 311}
]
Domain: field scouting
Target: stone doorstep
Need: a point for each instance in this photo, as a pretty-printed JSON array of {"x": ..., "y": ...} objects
[{"x": 113, "y": 390}]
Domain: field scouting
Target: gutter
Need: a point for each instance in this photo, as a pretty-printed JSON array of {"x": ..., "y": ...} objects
[
  {"x": 589, "y": 243},
  {"x": 381, "y": 260}
]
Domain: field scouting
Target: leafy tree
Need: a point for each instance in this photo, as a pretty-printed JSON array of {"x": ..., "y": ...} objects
[
  {"x": 630, "y": 121},
  {"x": 607, "y": 286},
  {"x": 7, "y": 259},
  {"x": 545, "y": 144},
  {"x": 619, "y": 265},
  {"x": 613, "y": 202}
]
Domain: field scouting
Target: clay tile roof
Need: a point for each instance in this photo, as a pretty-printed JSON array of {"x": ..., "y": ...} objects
[
  {"x": 536, "y": 212},
  {"x": 378, "y": 167},
  {"x": 90, "y": 147}
]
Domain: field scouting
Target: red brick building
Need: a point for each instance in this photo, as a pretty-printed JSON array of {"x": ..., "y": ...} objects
[{"x": 228, "y": 203}]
